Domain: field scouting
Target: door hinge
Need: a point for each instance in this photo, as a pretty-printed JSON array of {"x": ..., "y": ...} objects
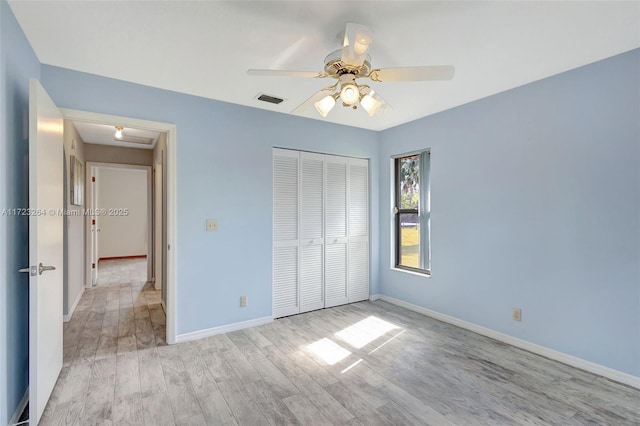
[
  {"x": 93, "y": 266},
  {"x": 93, "y": 221},
  {"x": 93, "y": 178}
]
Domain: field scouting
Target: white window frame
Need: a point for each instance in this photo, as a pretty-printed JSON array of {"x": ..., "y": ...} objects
[{"x": 424, "y": 214}]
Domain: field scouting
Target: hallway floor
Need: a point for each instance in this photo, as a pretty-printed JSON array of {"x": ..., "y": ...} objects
[
  {"x": 119, "y": 271},
  {"x": 115, "y": 327}
]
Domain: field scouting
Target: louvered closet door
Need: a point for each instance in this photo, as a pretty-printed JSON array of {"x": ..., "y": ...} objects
[
  {"x": 311, "y": 231},
  {"x": 335, "y": 281},
  {"x": 358, "y": 230},
  {"x": 285, "y": 232}
]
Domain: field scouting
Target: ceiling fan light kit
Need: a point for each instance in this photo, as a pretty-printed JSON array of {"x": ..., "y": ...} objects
[
  {"x": 325, "y": 105},
  {"x": 352, "y": 62},
  {"x": 349, "y": 92},
  {"x": 371, "y": 102}
]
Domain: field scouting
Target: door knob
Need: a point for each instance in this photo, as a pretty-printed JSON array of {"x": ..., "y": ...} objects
[{"x": 42, "y": 268}]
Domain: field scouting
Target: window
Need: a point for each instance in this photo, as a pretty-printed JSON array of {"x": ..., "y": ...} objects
[{"x": 412, "y": 212}]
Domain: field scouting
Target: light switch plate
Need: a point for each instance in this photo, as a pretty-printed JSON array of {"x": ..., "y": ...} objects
[{"x": 212, "y": 225}]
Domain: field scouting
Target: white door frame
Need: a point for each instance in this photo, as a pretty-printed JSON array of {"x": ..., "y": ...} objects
[
  {"x": 90, "y": 168},
  {"x": 172, "y": 243}
]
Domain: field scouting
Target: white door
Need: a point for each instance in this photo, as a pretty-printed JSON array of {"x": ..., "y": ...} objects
[
  {"x": 95, "y": 227},
  {"x": 311, "y": 231},
  {"x": 336, "y": 231},
  {"x": 285, "y": 232},
  {"x": 358, "y": 228},
  {"x": 45, "y": 247}
]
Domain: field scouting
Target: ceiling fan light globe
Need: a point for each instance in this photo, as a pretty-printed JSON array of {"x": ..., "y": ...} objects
[
  {"x": 349, "y": 94},
  {"x": 325, "y": 105},
  {"x": 370, "y": 104}
]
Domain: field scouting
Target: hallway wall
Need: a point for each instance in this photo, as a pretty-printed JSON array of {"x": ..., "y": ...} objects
[{"x": 74, "y": 226}]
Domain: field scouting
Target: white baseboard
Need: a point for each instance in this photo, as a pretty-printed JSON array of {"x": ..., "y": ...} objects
[
  {"x": 600, "y": 370},
  {"x": 194, "y": 335},
  {"x": 67, "y": 317},
  {"x": 23, "y": 404}
]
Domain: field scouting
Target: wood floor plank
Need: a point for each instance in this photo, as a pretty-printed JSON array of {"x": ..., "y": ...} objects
[
  {"x": 127, "y": 410},
  {"x": 151, "y": 372},
  {"x": 335, "y": 412},
  {"x": 184, "y": 402},
  {"x": 409, "y": 403},
  {"x": 197, "y": 420},
  {"x": 198, "y": 372},
  {"x": 357, "y": 400},
  {"x": 215, "y": 409},
  {"x": 305, "y": 411},
  {"x": 270, "y": 404},
  {"x": 156, "y": 409},
  {"x": 273, "y": 377},
  {"x": 241, "y": 404},
  {"x": 127, "y": 374},
  {"x": 241, "y": 366},
  {"x": 67, "y": 413}
]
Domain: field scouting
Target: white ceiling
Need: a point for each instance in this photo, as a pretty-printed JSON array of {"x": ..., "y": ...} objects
[
  {"x": 204, "y": 48},
  {"x": 103, "y": 134}
]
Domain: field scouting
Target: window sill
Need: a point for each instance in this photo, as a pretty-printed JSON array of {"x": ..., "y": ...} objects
[{"x": 406, "y": 271}]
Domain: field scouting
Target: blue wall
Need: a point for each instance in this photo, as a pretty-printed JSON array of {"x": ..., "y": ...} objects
[
  {"x": 536, "y": 205},
  {"x": 224, "y": 172},
  {"x": 17, "y": 65}
]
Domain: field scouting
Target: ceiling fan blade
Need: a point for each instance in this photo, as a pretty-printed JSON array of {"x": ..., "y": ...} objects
[
  {"x": 285, "y": 73},
  {"x": 427, "y": 73},
  {"x": 313, "y": 99},
  {"x": 357, "y": 39}
]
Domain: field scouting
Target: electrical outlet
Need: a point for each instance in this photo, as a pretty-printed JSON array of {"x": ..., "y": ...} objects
[
  {"x": 212, "y": 225},
  {"x": 516, "y": 314},
  {"x": 243, "y": 301}
]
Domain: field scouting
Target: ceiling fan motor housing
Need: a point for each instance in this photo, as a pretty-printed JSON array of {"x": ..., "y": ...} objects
[{"x": 334, "y": 66}]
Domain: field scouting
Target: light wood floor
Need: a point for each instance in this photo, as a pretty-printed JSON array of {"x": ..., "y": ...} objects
[
  {"x": 118, "y": 271},
  {"x": 369, "y": 363}
]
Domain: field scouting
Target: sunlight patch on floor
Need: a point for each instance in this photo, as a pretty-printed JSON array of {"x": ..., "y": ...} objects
[
  {"x": 351, "y": 366},
  {"x": 366, "y": 331},
  {"x": 328, "y": 351}
]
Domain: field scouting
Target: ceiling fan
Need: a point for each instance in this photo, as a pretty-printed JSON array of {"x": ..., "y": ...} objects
[{"x": 350, "y": 63}]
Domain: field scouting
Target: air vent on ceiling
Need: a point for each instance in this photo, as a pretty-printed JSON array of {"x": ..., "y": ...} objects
[{"x": 268, "y": 98}]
